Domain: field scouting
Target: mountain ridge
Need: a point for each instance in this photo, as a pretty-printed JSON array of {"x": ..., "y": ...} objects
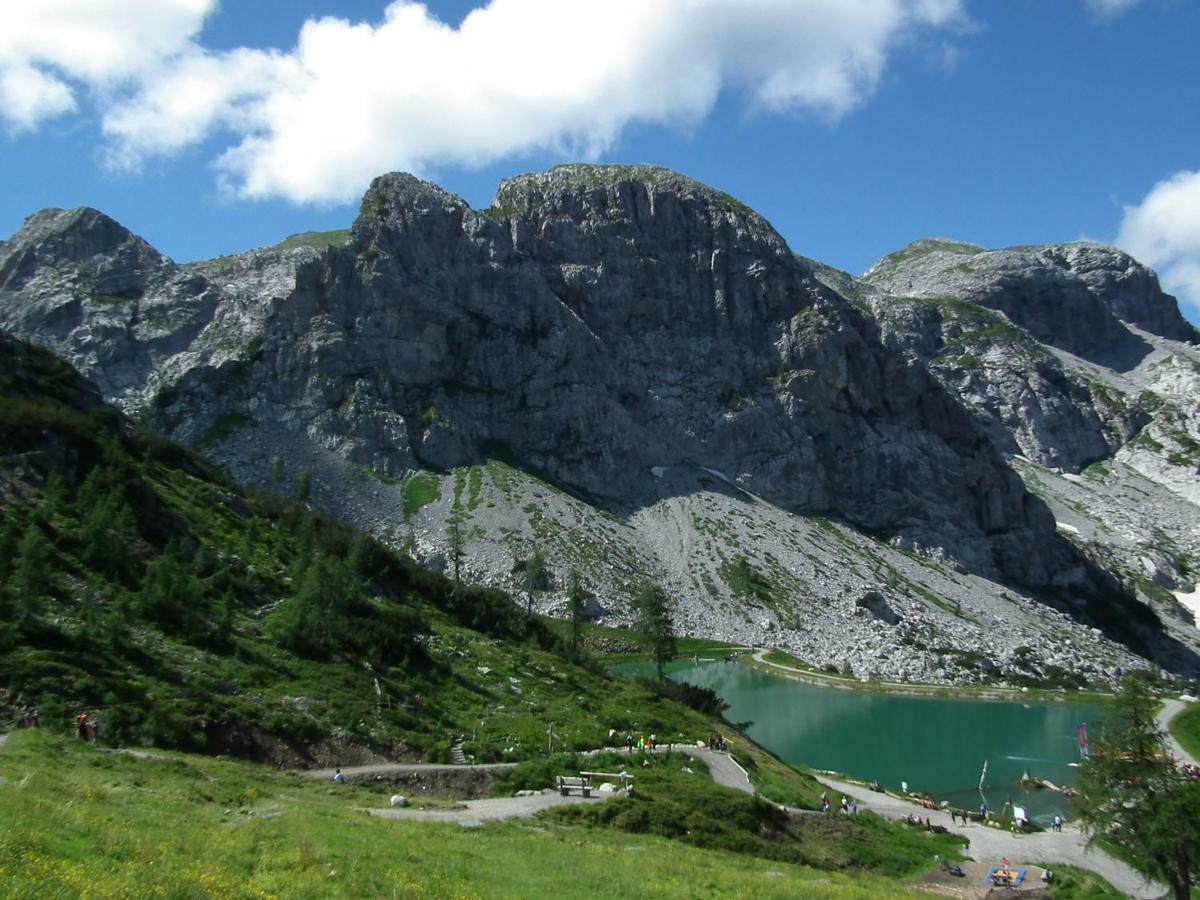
[{"x": 598, "y": 325}]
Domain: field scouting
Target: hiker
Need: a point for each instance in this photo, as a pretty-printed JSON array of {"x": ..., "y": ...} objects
[
  {"x": 82, "y": 725},
  {"x": 338, "y": 777},
  {"x": 854, "y": 807},
  {"x": 629, "y": 740},
  {"x": 653, "y": 742},
  {"x": 953, "y": 818},
  {"x": 624, "y": 777},
  {"x": 983, "y": 812},
  {"x": 845, "y": 805}
]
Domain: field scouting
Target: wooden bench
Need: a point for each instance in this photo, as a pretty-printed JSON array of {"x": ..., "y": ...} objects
[
  {"x": 566, "y": 784},
  {"x": 611, "y": 776}
]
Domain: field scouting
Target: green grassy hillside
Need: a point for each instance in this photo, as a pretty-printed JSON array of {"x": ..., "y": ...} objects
[
  {"x": 1186, "y": 728},
  {"x": 138, "y": 584},
  {"x": 75, "y": 822}
]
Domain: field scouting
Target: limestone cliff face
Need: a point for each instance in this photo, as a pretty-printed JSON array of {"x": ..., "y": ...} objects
[{"x": 597, "y": 323}]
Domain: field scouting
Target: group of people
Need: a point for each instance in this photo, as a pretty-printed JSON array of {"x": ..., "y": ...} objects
[
  {"x": 1192, "y": 772},
  {"x": 87, "y": 727},
  {"x": 716, "y": 742},
  {"x": 849, "y": 806},
  {"x": 640, "y": 742},
  {"x": 29, "y": 719}
]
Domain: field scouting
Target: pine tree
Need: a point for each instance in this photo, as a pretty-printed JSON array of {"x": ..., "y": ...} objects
[
  {"x": 652, "y": 611},
  {"x": 359, "y": 557},
  {"x": 1131, "y": 793},
  {"x": 577, "y": 597},
  {"x": 537, "y": 578},
  {"x": 304, "y": 487},
  {"x": 10, "y": 540},
  {"x": 31, "y": 578},
  {"x": 454, "y": 543},
  {"x": 54, "y": 500}
]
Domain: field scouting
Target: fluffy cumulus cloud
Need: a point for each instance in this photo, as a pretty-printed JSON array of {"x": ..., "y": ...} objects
[
  {"x": 1163, "y": 231},
  {"x": 351, "y": 99},
  {"x": 51, "y": 49}
]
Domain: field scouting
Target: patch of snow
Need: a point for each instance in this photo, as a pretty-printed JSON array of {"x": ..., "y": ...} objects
[
  {"x": 1191, "y": 602},
  {"x": 1064, "y": 527},
  {"x": 721, "y": 475}
]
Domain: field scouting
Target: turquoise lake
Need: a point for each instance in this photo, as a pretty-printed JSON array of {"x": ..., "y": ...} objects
[{"x": 937, "y": 746}]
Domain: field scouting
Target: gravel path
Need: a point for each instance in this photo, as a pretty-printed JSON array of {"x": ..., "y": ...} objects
[
  {"x": 990, "y": 845},
  {"x": 493, "y": 810},
  {"x": 723, "y": 768},
  {"x": 1170, "y": 709},
  {"x": 358, "y": 773}
]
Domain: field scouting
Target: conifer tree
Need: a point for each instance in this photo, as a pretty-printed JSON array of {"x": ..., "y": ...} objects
[
  {"x": 577, "y": 597},
  {"x": 652, "y": 611},
  {"x": 1131, "y": 793},
  {"x": 31, "y": 577}
]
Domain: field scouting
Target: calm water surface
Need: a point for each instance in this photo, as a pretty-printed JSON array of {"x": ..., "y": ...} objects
[{"x": 938, "y": 746}]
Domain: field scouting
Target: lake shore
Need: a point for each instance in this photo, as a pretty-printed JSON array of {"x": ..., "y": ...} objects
[{"x": 757, "y": 659}]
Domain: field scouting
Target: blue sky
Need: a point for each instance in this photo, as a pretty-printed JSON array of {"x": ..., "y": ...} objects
[{"x": 210, "y": 130}]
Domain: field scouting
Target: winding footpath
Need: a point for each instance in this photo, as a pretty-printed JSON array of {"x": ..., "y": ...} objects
[
  {"x": 990, "y": 845},
  {"x": 1169, "y": 710}
]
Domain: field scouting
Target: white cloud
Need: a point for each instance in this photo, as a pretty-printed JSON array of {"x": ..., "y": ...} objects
[
  {"x": 315, "y": 123},
  {"x": 49, "y": 48},
  {"x": 1163, "y": 231},
  {"x": 28, "y": 97},
  {"x": 1110, "y": 9}
]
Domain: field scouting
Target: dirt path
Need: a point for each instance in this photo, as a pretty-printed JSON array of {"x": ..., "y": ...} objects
[
  {"x": 990, "y": 845},
  {"x": 1170, "y": 709}
]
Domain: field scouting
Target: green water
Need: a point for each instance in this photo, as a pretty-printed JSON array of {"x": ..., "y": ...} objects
[{"x": 937, "y": 746}]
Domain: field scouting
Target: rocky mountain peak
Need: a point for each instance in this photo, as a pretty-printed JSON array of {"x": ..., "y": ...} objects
[
  {"x": 97, "y": 246},
  {"x": 1072, "y": 296},
  {"x": 635, "y": 202}
]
